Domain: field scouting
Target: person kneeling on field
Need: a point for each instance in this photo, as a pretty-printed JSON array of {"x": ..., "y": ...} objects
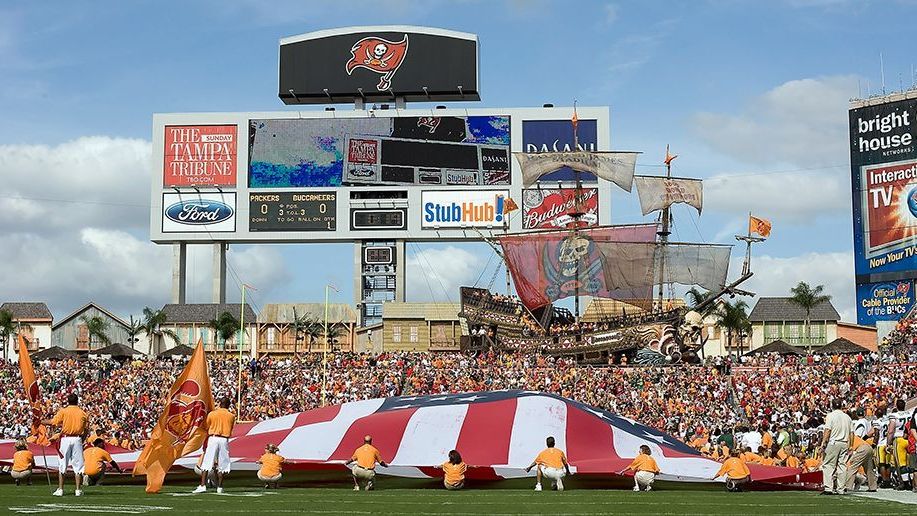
[
  {"x": 552, "y": 463},
  {"x": 454, "y": 471},
  {"x": 366, "y": 457},
  {"x": 23, "y": 462},
  {"x": 736, "y": 472},
  {"x": 96, "y": 462},
  {"x": 645, "y": 470},
  {"x": 271, "y": 466}
]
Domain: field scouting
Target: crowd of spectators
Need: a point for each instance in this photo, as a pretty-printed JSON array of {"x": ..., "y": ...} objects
[{"x": 694, "y": 403}]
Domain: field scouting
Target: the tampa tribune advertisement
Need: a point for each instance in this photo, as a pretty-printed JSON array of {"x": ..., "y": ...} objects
[{"x": 883, "y": 159}]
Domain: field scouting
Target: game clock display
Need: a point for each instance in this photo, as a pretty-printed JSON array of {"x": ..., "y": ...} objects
[
  {"x": 293, "y": 211},
  {"x": 378, "y": 219}
]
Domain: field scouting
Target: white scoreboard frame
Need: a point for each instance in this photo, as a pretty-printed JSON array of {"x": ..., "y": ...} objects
[{"x": 343, "y": 233}]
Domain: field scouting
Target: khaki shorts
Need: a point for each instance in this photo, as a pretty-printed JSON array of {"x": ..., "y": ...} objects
[
  {"x": 363, "y": 474},
  {"x": 21, "y": 475},
  {"x": 275, "y": 478},
  {"x": 454, "y": 487}
]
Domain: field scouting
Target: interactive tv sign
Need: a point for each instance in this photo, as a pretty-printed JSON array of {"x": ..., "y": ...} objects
[{"x": 377, "y": 64}]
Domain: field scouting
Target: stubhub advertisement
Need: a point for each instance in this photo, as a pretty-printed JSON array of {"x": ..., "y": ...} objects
[
  {"x": 888, "y": 301},
  {"x": 463, "y": 208}
]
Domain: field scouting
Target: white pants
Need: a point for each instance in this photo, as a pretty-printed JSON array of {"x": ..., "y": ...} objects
[
  {"x": 644, "y": 479},
  {"x": 71, "y": 449},
  {"x": 553, "y": 473},
  {"x": 217, "y": 451}
]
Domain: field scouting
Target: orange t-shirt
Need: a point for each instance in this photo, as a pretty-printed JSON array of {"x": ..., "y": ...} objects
[
  {"x": 455, "y": 473},
  {"x": 767, "y": 440},
  {"x": 792, "y": 462},
  {"x": 367, "y": 456},
  {"x": 856, "y": 442},
  {"x": 72, "y": 420},
  {"x": 813, "y": 464},
  {"x": 220, "y": 422},
  {"x": 766, "y": 461},
  {"x": 751, "y": 457},
  {"x": 734, "y": 468},
  {"x": 644, "y": 462},
  {"x": 270, "y": 464},
  {"x": 551, "y": 457},
  {"x": 22, "y": 460},
  {"x": 93, "y": 457}
]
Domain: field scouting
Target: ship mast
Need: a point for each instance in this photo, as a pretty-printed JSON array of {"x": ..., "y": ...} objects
[
  {"x": 664, "y": 230},
  {"x": 577, "y": 211}
]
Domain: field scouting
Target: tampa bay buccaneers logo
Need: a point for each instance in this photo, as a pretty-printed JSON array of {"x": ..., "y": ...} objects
[
  {"x": 379, "y": 55},
  {"x": 186, "y": 411}
]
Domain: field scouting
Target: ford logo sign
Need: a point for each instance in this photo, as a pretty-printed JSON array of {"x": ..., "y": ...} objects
[{"x": 199, "y": 213}]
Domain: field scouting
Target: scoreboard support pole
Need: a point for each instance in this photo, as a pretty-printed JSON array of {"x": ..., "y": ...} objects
[
  {"x": 219, "y": 272},
  {"x": 179, "y": 272},
  {"x": 399, "y": 270}
]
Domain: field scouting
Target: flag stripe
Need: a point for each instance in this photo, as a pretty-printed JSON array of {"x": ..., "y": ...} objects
[
  {"x": 536, "y": 419},
  {"x": 318, "y": 441},
  {"x": 599, "y": 445},
  {"x": 490, "y": 446},
  {"x": 386, "y": 429},
  {"x": 430, "y": 434}
]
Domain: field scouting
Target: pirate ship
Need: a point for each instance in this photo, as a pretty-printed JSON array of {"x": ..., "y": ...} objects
[{"x": 635, "y": 265}]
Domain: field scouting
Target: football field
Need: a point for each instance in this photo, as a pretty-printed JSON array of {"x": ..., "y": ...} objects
[{"x": 340, "y": 500}]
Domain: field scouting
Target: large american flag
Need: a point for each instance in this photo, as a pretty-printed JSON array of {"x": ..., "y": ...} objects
[{"x": 498, "y": 433}]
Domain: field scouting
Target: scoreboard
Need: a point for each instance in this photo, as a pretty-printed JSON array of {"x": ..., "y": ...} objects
[
  {"x": 356, "y": 175},
  {"x": 292, "y": 211}
]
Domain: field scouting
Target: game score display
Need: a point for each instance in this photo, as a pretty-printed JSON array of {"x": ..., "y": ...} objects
[{"x": 293, "y": 211}]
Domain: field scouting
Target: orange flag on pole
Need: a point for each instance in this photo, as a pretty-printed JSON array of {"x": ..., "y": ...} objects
[
  {"x": 760, "y": 226},
  {"x": 30, "y": 384},
  {"x": 182, "y": 426}
]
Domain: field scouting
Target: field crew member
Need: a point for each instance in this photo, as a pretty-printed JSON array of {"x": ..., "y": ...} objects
[
  {"x": 645, "y": 469},
  {"x": 551, "y": 463},
  {"x": 835, "y": 447},
  {"x": 366, "y": 458},
  {"x": 73, "y": 423},
  {"x": 219, "y": 429},
  {"x": 97, "y": 460},
  {"x": 23, "y": 463}
]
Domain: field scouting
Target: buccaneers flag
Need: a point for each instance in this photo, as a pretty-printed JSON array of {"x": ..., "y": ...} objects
[
  {"x": 30, "y": 383},
  {"x": 180, "y": 429},
  {"x": 759, "y": 226},
  {"x": 379, "y": 55}
]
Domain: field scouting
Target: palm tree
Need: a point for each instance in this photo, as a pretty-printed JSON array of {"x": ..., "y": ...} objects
[
  {"x": 808, "y": 298},
  {"x": 134, "y": 329},
  {"x": 225, "y": 326},
  {"x": 7, "y": 328},
  {"x": 152, "y": 326},
  {"x": 335, "y": 330},
  {"x": 315, "y": 330},
  {"x": 696, "y": 297},
  {"x": 733, "y": 319},
  {"x": 301, "y": 323},
  {"x": 97, "y": 328}
]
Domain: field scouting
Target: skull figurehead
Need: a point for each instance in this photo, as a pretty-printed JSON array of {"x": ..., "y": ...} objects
[
  {"x": 380, "y": 50},
  {"x": 572, "y": 250}
]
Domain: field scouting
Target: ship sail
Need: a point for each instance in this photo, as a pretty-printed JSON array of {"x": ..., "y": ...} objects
[
  {"x": 658, "y": 193},
  {"x": 617, "y": 167}
]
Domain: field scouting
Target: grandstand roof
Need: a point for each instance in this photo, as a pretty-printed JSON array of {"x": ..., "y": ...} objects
[
  {"x": 842, "y": 346},
  {"x": 778, "y": 346},
  {"x": 425, "y": 311},
  {"x": 116, "y": 351},
  {"x": 782, "y": 309},
  {"x": 27, "y": 311},
  {"x": 179, "y": 350},
  {"x": 205, "y": 312},
  {"x": 600, "y": 309},
  {"x": 282, "y": 313},
  {"x": 54, "y": 353}
]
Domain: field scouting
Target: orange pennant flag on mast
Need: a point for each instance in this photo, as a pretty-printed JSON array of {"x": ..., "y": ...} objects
[
  {"x": 759, "y": 226},
  {"x": 30, "y": 384},
  {"x": 669, "y": 158},
  {"x": 181, "y": 428}
]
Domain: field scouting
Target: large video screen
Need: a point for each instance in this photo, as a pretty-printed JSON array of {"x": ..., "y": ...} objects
[
  {"x": 883, "y": 159},
  {"x": 401, "y": 151}
]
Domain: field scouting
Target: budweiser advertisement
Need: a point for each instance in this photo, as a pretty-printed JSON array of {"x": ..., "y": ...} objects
[
  {"x": 200, "y": 155},
  {"x": 551, "y": 207}
]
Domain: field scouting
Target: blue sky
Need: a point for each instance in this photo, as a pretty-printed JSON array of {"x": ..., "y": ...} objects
[{"x": 752, "y": 95}]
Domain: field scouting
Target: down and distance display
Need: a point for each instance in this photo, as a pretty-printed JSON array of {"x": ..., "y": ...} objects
[{"x": 292, "y": 211}]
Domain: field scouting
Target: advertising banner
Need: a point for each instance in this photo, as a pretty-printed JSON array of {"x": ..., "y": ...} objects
[
  {"x": 557, "y": 136},
  {"x": 888, "y": 301},
  {"x": 200, "y": 155},
  {"x": 472, "y": 150},
  {"x": 463, "y": 208},
  {"x": 198, "y": 212},
  {"x": 548, "y": 207}
]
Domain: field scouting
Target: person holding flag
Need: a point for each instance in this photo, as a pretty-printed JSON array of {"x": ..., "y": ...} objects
[
  {"x": 73, "y": 423},
  {"x": 181, "y": 428},
  {"x": 216, "y": 456}
]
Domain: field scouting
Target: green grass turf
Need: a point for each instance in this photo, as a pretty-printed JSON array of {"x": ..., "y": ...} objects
[{"x": 130, "y": 499}]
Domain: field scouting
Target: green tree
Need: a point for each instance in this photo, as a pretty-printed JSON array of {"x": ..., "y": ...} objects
[
  {"x": 301, "y": 324},
  {"x": 808, "y": 298},
  {"x": 697, "y": 297},
  {"x": 7, "y": 329},
  {"x": 335, "y": 331},
  {"x": 152, "y": 326},
  {"x": 732, "y": 318},
  {"x": 134, "y": 328},
  {"x": 315, "y": 331},
  {"x": 97, "y": 327},
  {"x": 225, "y": 326}
]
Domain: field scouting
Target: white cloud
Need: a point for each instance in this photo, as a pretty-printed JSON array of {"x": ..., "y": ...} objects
[
  {"x": 438, "y": 273},
  {"x": 801, "y": 122},
  {"x": 611, "y": 13},
  {"x": 797, "y": 197},
  {"x": 775, "y": 276}
]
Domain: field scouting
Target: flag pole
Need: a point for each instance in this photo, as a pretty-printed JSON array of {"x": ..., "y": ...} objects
[
  {"x": 325, "y": 350},
  {"x": 241, "y": 343}
]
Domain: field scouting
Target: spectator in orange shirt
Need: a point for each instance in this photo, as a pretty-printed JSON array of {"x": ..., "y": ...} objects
[
  {"x": 271, "y": 466},
  {"x": 454, "y": 471},
  {"x": 552, "y": 463},
  {"x": 736, "y": 472},
  {"x": 645, "y": 469},
  {"x": 96, "y": 462},
  {"x": 366, "y": 458},
  {"x": 23, "y": 463}
]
